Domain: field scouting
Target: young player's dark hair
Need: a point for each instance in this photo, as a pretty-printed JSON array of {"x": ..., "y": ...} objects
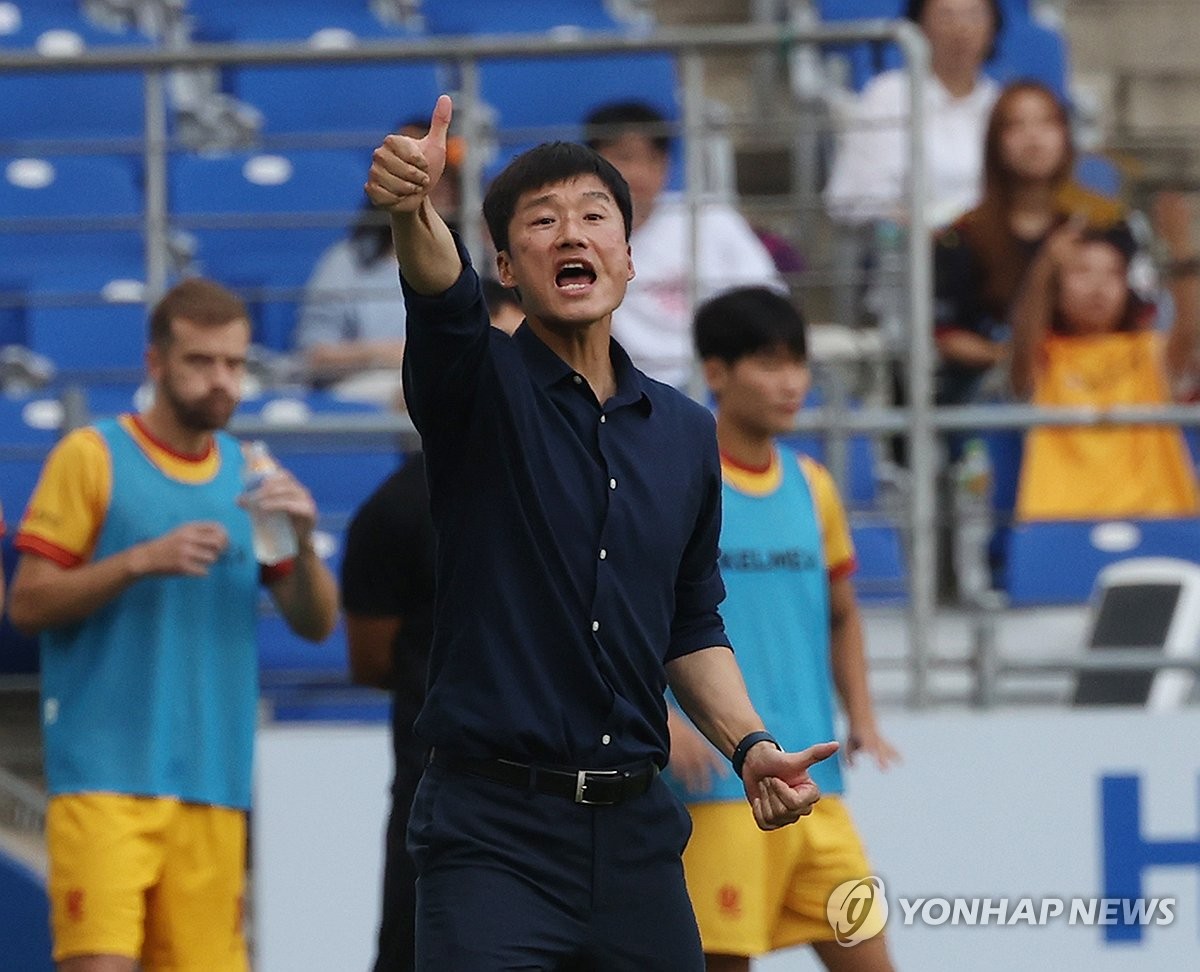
[
  {"x": 916, "y": 9},
  {"x": 609, "y": 122},
  {"x": 747, "y": 321},
  {"x": 542, "y": 166}
]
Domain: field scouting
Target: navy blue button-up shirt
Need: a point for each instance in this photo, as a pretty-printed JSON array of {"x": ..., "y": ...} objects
[{"x": 577, "y": 541}]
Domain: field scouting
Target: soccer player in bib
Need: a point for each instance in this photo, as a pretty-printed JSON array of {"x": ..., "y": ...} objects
[
  {"x": 138, "y": 570},
  {"x": 787, "y": 560}
]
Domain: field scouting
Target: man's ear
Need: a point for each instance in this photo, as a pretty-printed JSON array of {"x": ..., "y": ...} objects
[
  {"x": 504, "y": 269},
  {"x": 629, "y": 257},
  {"x": 153, "y": 361},
  {"x": 716, "y": 374}
]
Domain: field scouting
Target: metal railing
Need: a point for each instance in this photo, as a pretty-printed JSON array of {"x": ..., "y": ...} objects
[{"x": 920, "y": 423}]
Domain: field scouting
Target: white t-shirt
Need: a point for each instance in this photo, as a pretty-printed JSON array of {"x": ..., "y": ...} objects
[
  {"x": 654, "y": 322},
  {"x": 871, "y": 163}
]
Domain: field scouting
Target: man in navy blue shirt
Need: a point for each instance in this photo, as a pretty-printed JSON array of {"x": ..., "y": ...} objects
[{"x": 577, "y": 510}]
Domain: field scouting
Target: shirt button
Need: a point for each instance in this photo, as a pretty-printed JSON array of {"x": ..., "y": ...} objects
[
  {"x": 603, "y": 553},
  {"x": 603, "y": 419},
  {"x": 595, "y": 625},
  {"x": 612, "y": 484},
  {"x": 606, "y": 739},
  {"x": 577, "y": 379}
]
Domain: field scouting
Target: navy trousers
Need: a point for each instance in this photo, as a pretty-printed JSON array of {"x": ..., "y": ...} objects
[{"x": 511, "y": 880}]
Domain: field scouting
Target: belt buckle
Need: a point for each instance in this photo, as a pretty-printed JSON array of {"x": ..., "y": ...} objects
[{"x": 584, "y": 777}]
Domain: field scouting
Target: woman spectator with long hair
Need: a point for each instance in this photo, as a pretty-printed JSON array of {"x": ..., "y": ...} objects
[{"x": 982, "y": 258}]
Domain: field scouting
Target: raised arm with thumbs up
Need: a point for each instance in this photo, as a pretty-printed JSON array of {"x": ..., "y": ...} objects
[{"x": 404, "y": 171}]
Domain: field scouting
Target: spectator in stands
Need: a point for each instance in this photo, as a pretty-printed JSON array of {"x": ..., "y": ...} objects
[
  {"x": 1081, "y": 337},
  {"x": 351, "y": 323},
  {"x": 980, "y": 260},
  {"x": 138, "y": 569},
  {"x": 787, "y": 561},
  {"x": 654, "y": 322},
  {"x": 870, "y": 168},
  {"x": 387, "y": 593}
]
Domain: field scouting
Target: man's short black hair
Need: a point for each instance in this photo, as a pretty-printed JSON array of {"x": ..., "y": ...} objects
[
  {"x": 545, "y": 165},
  {"x": 747, "y": 321},
  {"x": 604, "y": 125},
  {"x": 916, "y": 9}
]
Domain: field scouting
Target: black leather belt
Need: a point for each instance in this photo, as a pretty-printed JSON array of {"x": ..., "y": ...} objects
[{"x": 601, "y": 788}]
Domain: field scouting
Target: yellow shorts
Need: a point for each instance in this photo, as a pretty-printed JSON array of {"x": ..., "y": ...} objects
[
  {"x": 756, "y": 891},
  {"x": 150, "y": 878}
]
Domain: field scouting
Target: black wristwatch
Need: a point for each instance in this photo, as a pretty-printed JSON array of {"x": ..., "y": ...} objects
[{"x": 738, "y": 759}]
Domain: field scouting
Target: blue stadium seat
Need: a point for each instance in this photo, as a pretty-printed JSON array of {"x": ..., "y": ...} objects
[
  {"x": 1057, "y": 562},
  {"x": 882, "y": 575},
  {"x": 24, "y": 919},
  {"x": 286, "y": 659},
  {"x": 368, "y": 98},
  {"x": 561, "y": 91},
  {"x": 56, "y": 26},
  {"x": 88, "y": 322},
  {"x": 526, "y": 17},
  {"x": 260, "y": 221},
  {"x": 67, "y": 212},
  {"x": 73, "y": 104},
  {"x": 1099, "y": 174},
  {"x": 1026, "y": 48},
  {"x": 29, "y": 428},
  {"x": 861, "y": 489},
  {"x": 1005, "y": 448},
  {"x": 862, "y": 486},
  {"x": 328, "y": 22}
]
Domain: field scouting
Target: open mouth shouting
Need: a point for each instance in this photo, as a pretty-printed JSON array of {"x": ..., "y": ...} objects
[{"x": 574, "y": 277}]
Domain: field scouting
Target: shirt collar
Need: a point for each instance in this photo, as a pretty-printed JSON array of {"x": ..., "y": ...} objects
[{"x": 547, "y": 369}]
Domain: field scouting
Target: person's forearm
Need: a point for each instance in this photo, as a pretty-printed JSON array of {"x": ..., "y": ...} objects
[
  {"x": 307, "y": 596},
  {"x": 849, "y": 663},
  {"x": 425, "y": 250},
  {"x": 47, "y": 596},
  {"x": 1181, "y": 342},
  {"x": 1030, "y": 321},
  {"x": 708, "y": 686},
  {"x": 970, "y": 350}
]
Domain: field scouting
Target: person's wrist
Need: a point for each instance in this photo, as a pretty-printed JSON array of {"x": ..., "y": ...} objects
[
  {"x": 137, "y": 561},
  {"x": 748, "y": 742}
]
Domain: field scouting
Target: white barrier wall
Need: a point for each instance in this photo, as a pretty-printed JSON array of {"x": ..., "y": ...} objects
[{"x": 998, "y": 806}]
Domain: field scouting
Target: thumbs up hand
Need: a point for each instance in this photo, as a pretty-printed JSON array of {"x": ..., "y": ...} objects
[{"x": 404, "y": 169}]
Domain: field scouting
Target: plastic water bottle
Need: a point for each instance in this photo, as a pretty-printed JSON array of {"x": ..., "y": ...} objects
[
  {"x": 274, "y": 537},
  {"x": 887, "y": 289},
  {"x": 973, "y": 521}
]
